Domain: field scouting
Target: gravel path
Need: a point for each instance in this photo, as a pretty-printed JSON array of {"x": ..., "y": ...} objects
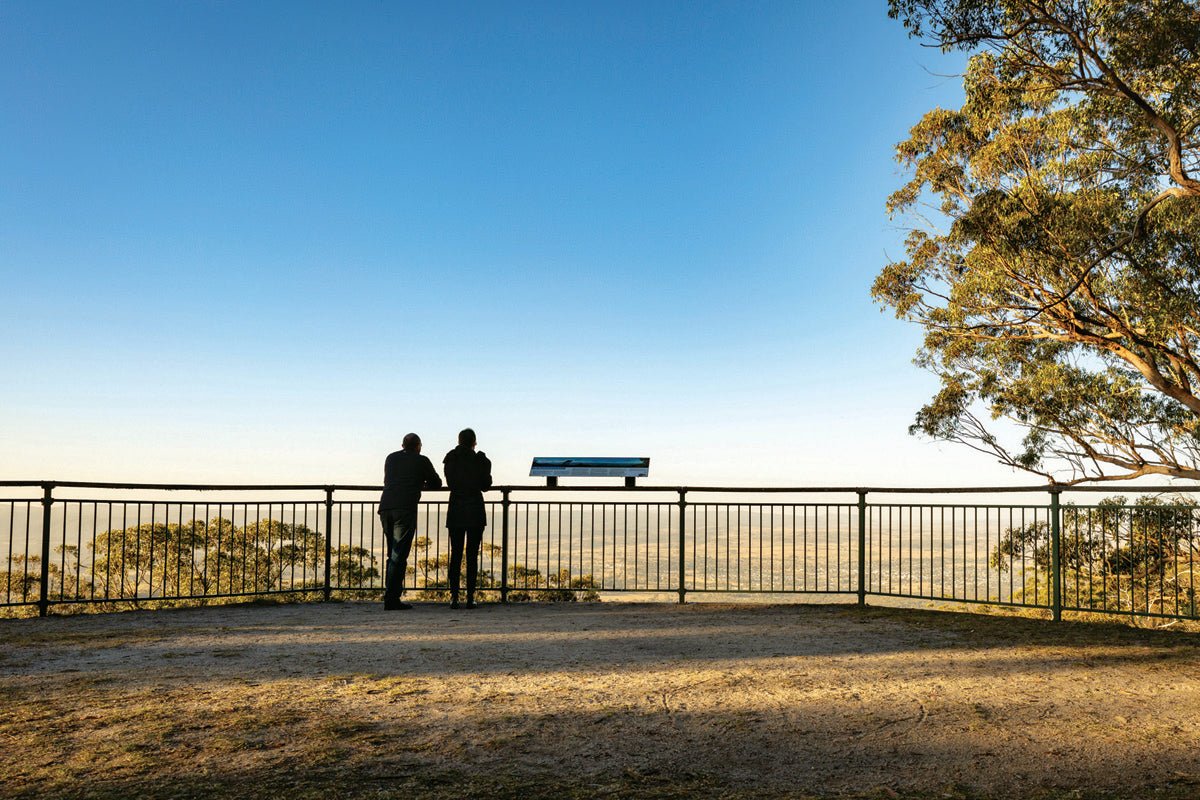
[{"x": 770, "y": 700}]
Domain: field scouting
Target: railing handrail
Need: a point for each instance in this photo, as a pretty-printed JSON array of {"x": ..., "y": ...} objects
[
  {"x": 1048, "y": 521},
  {"x": 321, "y": 487}
]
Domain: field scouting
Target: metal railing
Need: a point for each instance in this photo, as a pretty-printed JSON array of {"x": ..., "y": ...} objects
[{"x": 105, "y": 544}]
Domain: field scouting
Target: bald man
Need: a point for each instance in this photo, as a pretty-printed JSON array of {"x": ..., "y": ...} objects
[{"x": 405, "y": 473}]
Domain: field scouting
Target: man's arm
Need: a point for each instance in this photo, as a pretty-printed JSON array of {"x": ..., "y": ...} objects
[{"x": 431, "y": 480}]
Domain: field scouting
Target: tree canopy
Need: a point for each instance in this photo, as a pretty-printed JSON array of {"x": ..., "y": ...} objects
[{"x": 1057, "y": 278}]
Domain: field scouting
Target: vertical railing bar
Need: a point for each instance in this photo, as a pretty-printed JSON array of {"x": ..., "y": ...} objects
[
  {"x": 625, "y": 544},
  {"x": 682, "y": 544},
  {"x": 257, "y": 549},
  {"x": 191, "y": 551},
  {"x": 1055, "y": 555},
  {"x": 183, "y": 539},
  {"x": 953, "y": 553},
  {"x": 504, "y": 509},
  {"x": 604, "y": 535},
  {"x": 1010, "y": 558},
  {"x": 805, "y": 562},
  {"x": 591, "y": 510},
  {"x": 658, "y": 548},
  {"x": 108, "y": 556},
  {"x": 862, "y": 547},
  {"x": 937, "y": 516},
  {"x": 62, "y": 567},
  {"x": 728, "y": 571},
  {"x": 79, "y": 549},
  {"x": 895, "y": 549},
  {"x": 919, "y": 530},
  {"x": 1162, "y": 562},
  {"x": 327, "y": 588},
  {"x": 1148, "y": 559},
  {"x": 1117, "y": 553},
  {"x": 739, "y": 584},
  {"x": 771, "y": 511},
  {"x": 25, "y": 567},
  {"x": 845, "y": 538},
  {"x": 975, "y": 554},
  {"x": 759, "y": 508},
  {"x": 634, "y": 560},
  {"x": 794, "y": 582},
  {"x": 1025, "y": 557},
  {"x": 243, "y": 569},
  {"x": 220, "y": 507},
  {"x": 1192, "y": 610},
  {"x": 362, "y": 543},
  {"x": 297, "y": 551},
  {"x": 204, "y": 572},
  {"x": 875, "y": 540},
  {"x": 137, "y": 554},
  {"x": 1078, "y": 571},
  {"x": 124, "y": 542},
  {"x": 44, "y": 575},
  {"x": 12, "y": 521}
]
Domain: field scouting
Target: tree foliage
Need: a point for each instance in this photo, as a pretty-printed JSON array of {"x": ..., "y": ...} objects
[
  {"x": 216, "y": 557},
  {"x": 156, "y": 563},
  {"x": 1114, "y": 556},
  {"x": 432, "y": 575},
  {"x": 1058, "y": 280}
]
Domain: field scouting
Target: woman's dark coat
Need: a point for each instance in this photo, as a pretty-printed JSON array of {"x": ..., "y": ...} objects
[{"x": 469, "y": 475}]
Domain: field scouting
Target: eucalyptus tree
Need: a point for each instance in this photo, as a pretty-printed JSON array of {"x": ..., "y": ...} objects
[{"x": 1053, "y": 252}]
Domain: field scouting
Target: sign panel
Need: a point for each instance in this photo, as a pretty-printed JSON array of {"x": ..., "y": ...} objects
[{"x": 589, "y": 467}]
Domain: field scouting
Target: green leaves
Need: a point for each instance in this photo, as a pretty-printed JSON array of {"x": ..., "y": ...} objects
[{"x": 1059, "y": 281}]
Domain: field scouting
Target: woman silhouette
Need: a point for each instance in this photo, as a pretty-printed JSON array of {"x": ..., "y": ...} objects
[{"x": 469, "y": 475}]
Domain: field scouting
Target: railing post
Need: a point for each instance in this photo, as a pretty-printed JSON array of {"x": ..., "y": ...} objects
[
  {"x": 1055, "y": 555},
  {"x": 328, "y": 588},
  {"x": 682, "y": 543},
  {"x": 504, "y": 505},
  {"x": 862, "y": 547},
  {"x": 44, "y": 581}
]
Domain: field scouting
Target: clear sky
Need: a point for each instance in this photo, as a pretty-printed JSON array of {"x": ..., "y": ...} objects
[{"x": 261, "y": 241}]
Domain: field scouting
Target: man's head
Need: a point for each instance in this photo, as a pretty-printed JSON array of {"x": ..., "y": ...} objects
[
  {"x": 466, "y": 437},
  {"x": 412, "y": 442}
]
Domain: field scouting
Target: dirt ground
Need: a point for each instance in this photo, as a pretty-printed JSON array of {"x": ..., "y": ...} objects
[{"x": 597, "y": 699}]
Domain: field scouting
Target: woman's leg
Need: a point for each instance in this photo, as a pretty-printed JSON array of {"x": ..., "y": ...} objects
[
  {"x": 457, "y": 535},
  {"x": 474, "y": 540}
]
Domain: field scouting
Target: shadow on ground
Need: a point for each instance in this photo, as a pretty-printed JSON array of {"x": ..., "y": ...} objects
[{"x": 344, "y": 700}]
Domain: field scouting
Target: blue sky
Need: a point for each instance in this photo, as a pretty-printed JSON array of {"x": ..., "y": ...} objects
[{"x": 262, "y": 241}]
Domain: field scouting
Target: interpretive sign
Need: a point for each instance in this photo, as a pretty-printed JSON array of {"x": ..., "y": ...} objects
[{"x": 552, "y": 468}]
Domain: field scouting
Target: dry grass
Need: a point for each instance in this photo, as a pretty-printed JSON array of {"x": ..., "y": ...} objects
[{"x": 596, "y": 700}]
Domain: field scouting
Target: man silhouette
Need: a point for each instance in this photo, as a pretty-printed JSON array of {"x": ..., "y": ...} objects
[
  {"x": 405, "y": 473},
  {"x": 469, "y": 475}
]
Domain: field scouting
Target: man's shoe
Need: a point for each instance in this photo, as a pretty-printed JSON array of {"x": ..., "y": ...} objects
[
  {"x": 396, "y": 605},
  {"x": 454, "y": 604},
  {"x": 470, "y": 604}
]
